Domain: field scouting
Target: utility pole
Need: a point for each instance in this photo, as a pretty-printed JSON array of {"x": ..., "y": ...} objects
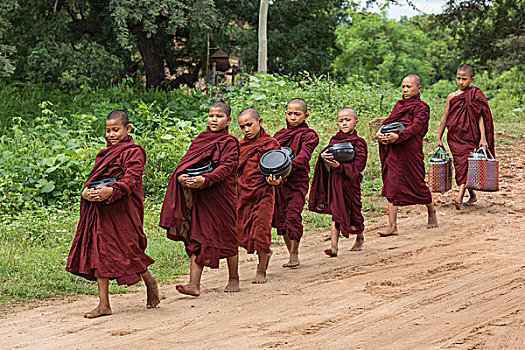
[{"x": 263, "y": 41}]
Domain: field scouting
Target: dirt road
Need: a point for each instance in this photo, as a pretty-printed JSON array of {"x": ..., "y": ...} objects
[{"x": 460, "y": 286}]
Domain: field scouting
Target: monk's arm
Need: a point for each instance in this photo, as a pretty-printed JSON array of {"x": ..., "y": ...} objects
[
  {"x": 483, "y": 141},
  {"x": 309, "y": 142},
  {"x": 133, "y": 161},
  {"x": 419, "y": 124},
  {"x": 228, "y": 163},
  {"x": 443, "y": 123}
]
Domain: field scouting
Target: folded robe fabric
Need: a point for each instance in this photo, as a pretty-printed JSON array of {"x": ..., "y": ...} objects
[
  {"x": 464, "y": 135},
  {"x": 204, "y": 218},
  {"x": 110, "y": 241},
  {"x": 290, "y": 195},
  {"x": 256, "y": 198},
  {"x": 402, "y": 162},
  {"x": 338, "y": 191}
]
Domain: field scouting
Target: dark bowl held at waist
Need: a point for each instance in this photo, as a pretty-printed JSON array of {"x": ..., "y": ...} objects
[
  {"x": 275, "y": 162},
  {"x": 103, "y": 182},
  {"x": 200, "y": 168},
  {"x": 342, "y": 152},
  {"x": 390, "y": 127}
]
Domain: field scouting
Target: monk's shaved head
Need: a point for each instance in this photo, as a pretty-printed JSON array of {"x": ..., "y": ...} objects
[
  {"x": 250, "y": 112},
  {"x": 350, "y": 111},
  {"x": 416, "y": 78},
  {"x": 224, "y": 106},
  {"x": 466, "y": 68},
  {"x": 300, "y": 102},
  {"x": 119, "y": 114}
]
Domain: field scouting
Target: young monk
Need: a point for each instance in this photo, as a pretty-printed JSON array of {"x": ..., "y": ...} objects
[
  {"x": 201, "y": 210},
  {"x": 255, "y": 195},
  {"x": 110, "y": 242},
  {"x": 401, "y": 154},
  {"x": 291, "y": 192},
  {"x": 469, "y": 122},
  {"x": 336, "y": 187}
]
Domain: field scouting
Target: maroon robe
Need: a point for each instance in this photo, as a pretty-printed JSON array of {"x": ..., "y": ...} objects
[
  {"x": 402, "y": 162},
  {"x": 338, "y": 191},
  {"x": 463, "y": 134},
  {"x": 204, "y": 218},
  {"x": 110, "y": 241},
  {"x": 256, "y": 196},
  {"x": 290, "y": 195}
]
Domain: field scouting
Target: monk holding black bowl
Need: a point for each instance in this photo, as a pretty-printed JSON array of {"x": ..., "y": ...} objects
[
  {"x": 401, "y": 154},
  {"x": 201, "y": 209},
  {"x": 336, "y": 186}
]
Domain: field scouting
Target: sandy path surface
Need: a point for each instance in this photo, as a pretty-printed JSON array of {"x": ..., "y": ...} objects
[{"x": 460, "y": 286}]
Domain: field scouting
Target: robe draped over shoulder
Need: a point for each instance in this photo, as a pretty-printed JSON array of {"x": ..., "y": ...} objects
[
  {"x": 256, "y": 198},
  {"x": 464, "y": 134},
  {"x": 402, "y": 162},
  {"x": 338, "y": 191},
  {"x": 290, "y": 196},
  {"x": 110, "y": 241},
  {"x": 204, "y": 218}
]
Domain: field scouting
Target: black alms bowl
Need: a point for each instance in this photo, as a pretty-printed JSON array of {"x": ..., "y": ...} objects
[
  {"x": 200, "y": 168},
  {"x": 390, "y": 127},
  {"x": 275, "y": 162},
  {"x": 343, "y": 152},
  {"x": 103, "y": 182}
]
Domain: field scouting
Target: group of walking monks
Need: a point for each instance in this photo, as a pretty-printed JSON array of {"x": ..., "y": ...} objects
[{"x": 234, "y": 204}]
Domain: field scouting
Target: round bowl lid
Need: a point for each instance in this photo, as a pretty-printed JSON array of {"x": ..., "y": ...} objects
[{"x": 274, "y": 162}]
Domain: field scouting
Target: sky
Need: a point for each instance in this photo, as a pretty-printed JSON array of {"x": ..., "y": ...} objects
[{"x": 425, "y": 6}]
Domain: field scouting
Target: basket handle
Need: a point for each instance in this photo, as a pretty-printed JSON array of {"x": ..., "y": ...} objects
[
  {"x": 484, "y": 151},
  {"x": 443, "y": 152}
]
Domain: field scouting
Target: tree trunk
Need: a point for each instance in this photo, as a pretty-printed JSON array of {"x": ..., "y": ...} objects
[
  {"x": 151, "y": 56},
  {"x": 263, "y": 42}
]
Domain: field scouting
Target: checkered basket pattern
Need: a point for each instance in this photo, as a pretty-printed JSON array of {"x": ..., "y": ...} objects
[
  {"x": 483, "y": 173},
  {"x": 440, "y": 171}
]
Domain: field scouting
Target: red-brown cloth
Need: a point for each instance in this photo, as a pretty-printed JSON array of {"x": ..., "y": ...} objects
[
  {"x": 338, "y": 191},
  {"x": 402, "y": 162},
  {"x": 464, "y": 135},
  {"x": 256, "y": 198},
  {"x": 207, "y": 226},
  {"x": 110, "y": 241},
  {"x": 290, "y": 196}
]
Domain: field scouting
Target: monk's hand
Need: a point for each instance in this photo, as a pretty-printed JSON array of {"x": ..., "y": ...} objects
[
  {"x": 391, "y": 137},
  {"x": 483, "y": 143},
  {"x": 102, "y": 193},
  {"x": 183, "y": 180},
  {"x": 439, "y": 144},
  {"x": 87, "y": 194},
  {"x": 196, "y": 181},
  {"x": 274, "y": 180}
]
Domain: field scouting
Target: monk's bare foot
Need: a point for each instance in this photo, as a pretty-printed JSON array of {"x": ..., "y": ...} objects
[
  {"x": 260, "y": 277},
  {"x": 391, "y": 231},
  {"x": 294, "y": 261},
  {"x": 432, "y": 220},
  {"x": 331, "y": 252},
  {"x": 456, "y": 204},
  {"x": 98, "y": 311},
  {"x": 358, "y": 244},
  {"x": 188, "y": 289},
  {"x": 471, "y": 201},
  {"x": 152, "y": 291},
  {"x": 232, "y": 286}
]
